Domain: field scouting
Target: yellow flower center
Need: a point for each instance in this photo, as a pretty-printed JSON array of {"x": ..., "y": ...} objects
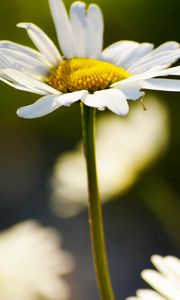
[{"x": 77, "y": 74}]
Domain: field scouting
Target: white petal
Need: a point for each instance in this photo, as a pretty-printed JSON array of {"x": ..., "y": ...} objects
[
  {"x": 173, "y": 264},
  {"x": 132, "y": 92},
  {"x": 63, "y": 27},
  {"x": 25, "y": 63},
  {"x": 131, "y": 80},
  {"x": 113, "y": 99},
  {"x": 162, "y": 265},
  {"x": 20, "y": 87},
  {"x": 162, "y": 59},
  {"x": 147, "y": 75},
  {"x": 118, "y": 51},
  {"x": 43, "y": 43},
  {"x": 171, "y": 71},
  {"x": 161, "y": 284},
  {"x": 93, "y": 101},
  {"x": 70, "y": 98},
  {"x": 149, "y": 295},
  {"x": 95, "y": 31},
  {"x": 4, "y": 61},
  {"x": 79, "y": 25},
  {"x": 87, "y": 27},
  {"x": 165, "y": 72},
  {"x": 168, "y": 47},
  {"x": 42, "y": 107},
  {"x": 23, "y": 49},
  {"x": 139, "y": 52},
  {"x": 48, "y": 104},
  {"x": 162, "y": 85},
  {"x": 28, "y": 82}
]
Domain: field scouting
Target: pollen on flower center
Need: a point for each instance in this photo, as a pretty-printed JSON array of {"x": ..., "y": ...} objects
[{"x": 85, "y": 74}]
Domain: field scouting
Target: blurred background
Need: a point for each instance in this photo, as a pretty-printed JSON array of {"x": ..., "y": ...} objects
[{"x": 141, "y": 217}]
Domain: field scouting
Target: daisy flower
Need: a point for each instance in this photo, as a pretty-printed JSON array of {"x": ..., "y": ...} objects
[
  {"x": 32, "y": 263},
  {"x": 82, "y": 70},
  {"x": 165, "y": 281}
]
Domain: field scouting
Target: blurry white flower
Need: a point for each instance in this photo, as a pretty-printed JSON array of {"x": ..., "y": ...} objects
[
  {"x": 124, "y": 148},
  {"x": 165, "y": 281},
  {"x": 32, "y": 264},
  {"x": 84, "y": 71}
]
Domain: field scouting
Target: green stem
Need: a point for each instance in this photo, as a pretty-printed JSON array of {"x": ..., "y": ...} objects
[{"x": 95, "y": 212}]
